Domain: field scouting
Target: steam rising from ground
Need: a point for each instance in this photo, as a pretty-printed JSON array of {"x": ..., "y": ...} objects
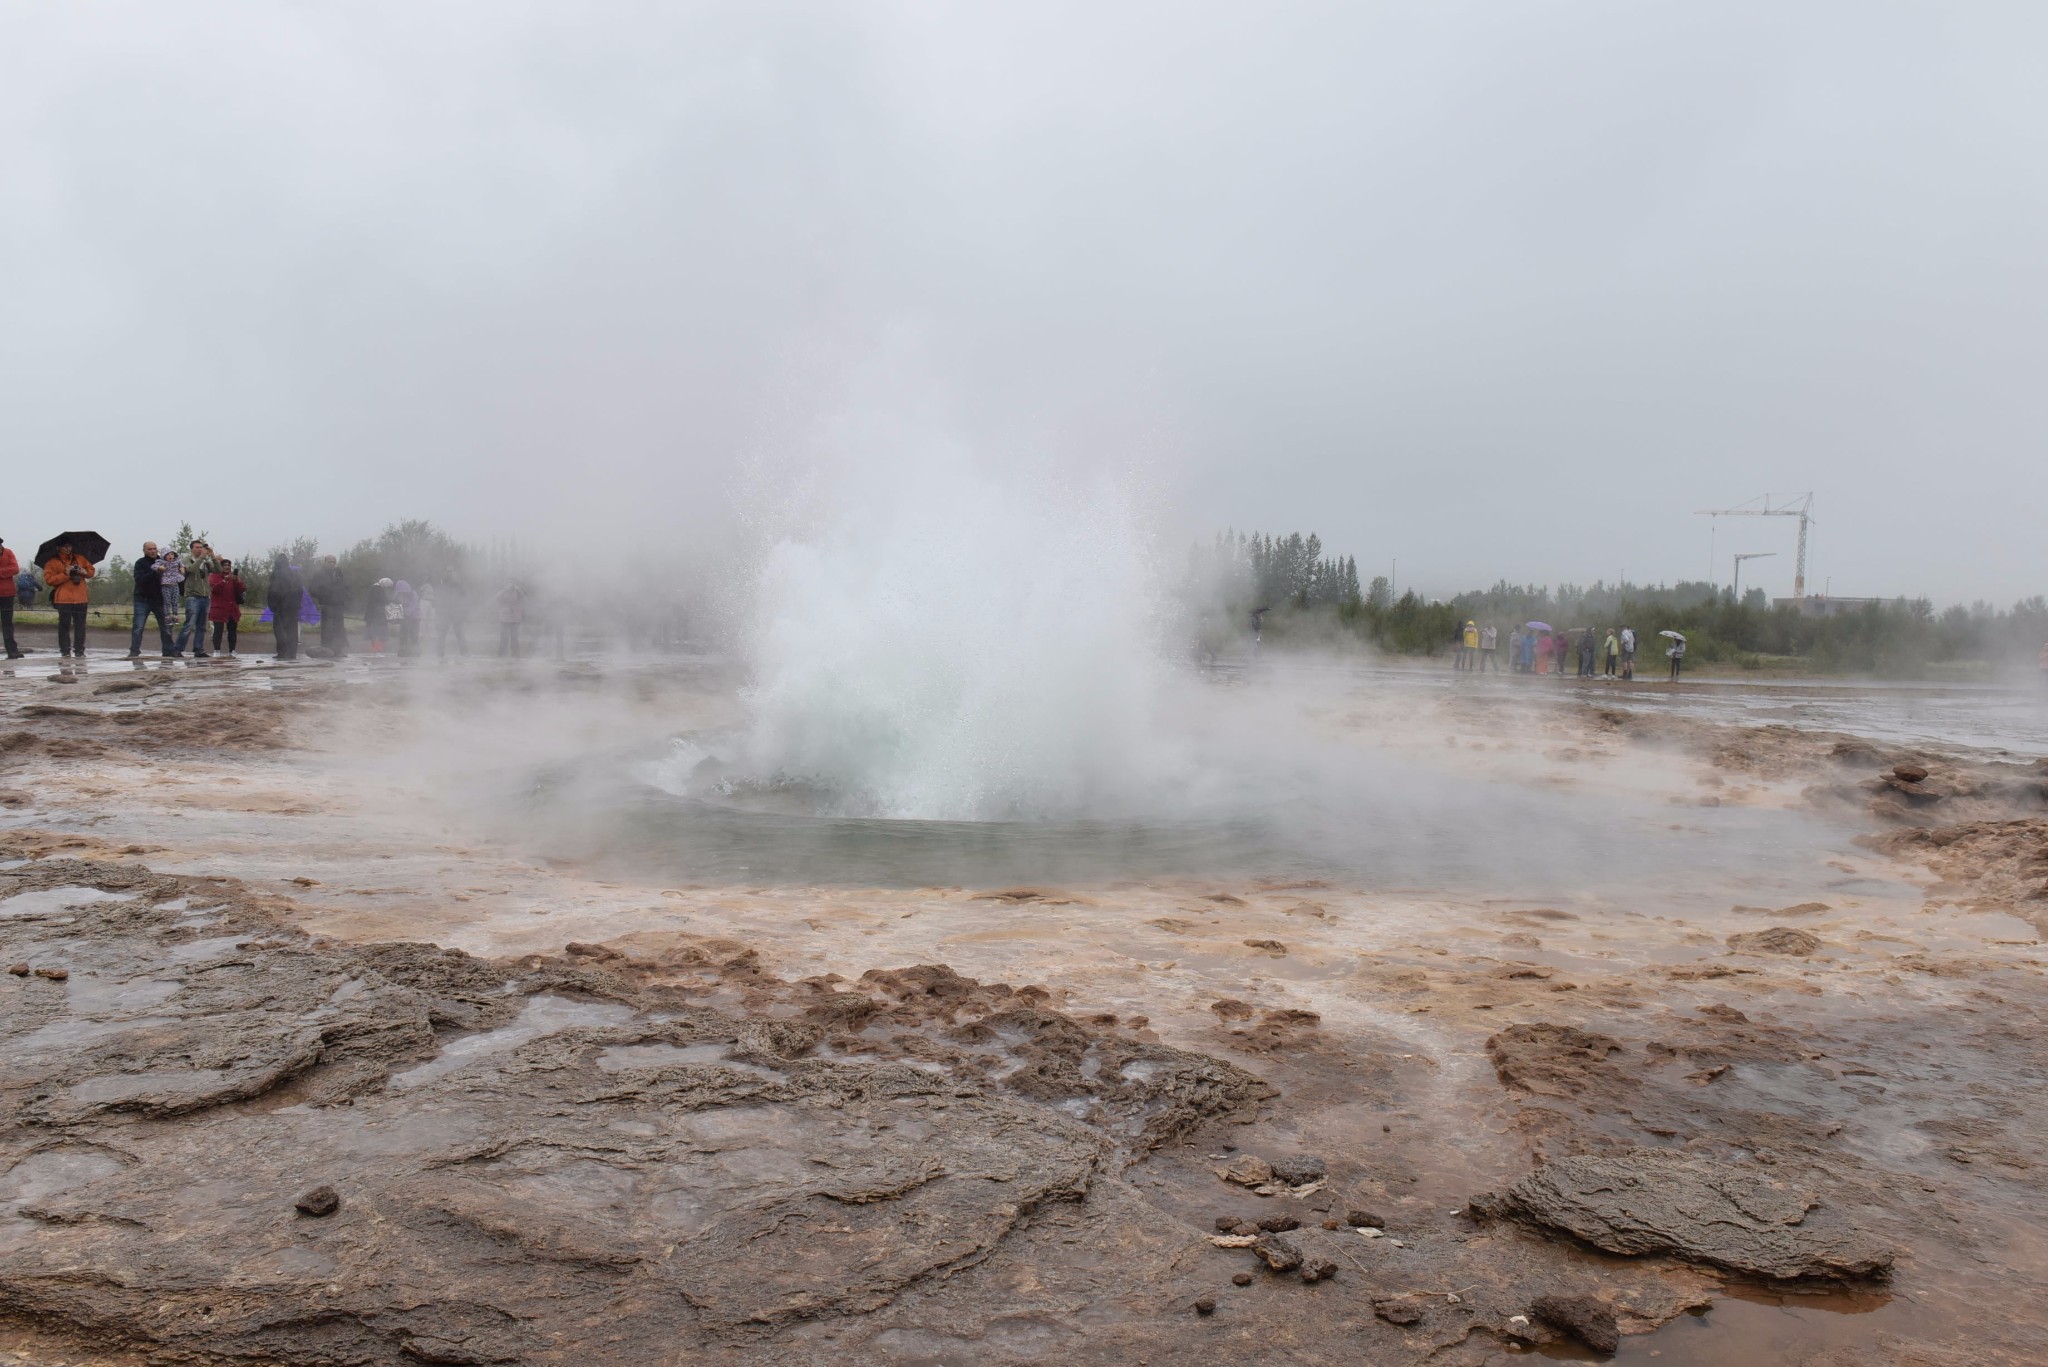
[{"x": 946, "y": 644}]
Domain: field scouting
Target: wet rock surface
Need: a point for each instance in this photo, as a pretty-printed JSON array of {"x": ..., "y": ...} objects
[
  {"x": 647, "y": 1147},
  {"x": 225, "y": 1140},
  {"x": 1746, "y": 1219},
  {"x": 499, "y": 1195}
]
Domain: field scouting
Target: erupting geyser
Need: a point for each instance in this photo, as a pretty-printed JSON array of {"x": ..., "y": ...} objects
[{"x": 945, "y": 646}]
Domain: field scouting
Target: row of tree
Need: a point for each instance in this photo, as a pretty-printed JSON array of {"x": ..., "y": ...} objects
[
  {"x": 1315, "y": 599},
  {"x": 1275, "y": 572}
]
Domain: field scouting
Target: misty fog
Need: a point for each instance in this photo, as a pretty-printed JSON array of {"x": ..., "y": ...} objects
[{"x": 1501, "y": 291}]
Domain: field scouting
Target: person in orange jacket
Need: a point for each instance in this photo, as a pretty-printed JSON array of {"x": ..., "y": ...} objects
[
  {"x": 65, "y": 574},
  {"x": 10, "y": 569}
]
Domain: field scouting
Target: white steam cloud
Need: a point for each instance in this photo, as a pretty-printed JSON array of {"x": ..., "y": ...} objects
[{"x": 951, "y": 644}]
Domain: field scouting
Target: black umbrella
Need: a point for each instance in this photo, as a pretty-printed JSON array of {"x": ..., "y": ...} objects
[{"x": 91, "y": 545}]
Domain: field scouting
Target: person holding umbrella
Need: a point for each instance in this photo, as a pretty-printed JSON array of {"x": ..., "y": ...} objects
[
  {"x": 1676, "y": 652},
  {"x": 67, "y": 561}
]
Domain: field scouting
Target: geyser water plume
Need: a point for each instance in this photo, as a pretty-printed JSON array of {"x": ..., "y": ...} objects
[{"x": 953, "y": 645}]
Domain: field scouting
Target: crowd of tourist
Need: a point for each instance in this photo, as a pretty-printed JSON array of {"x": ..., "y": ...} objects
[
  {"x": 186, "y": 592},
  {"x": 1539, "y": 648}
]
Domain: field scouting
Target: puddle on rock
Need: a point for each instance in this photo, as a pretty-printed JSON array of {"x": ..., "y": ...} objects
[
  {"x": 542, "y": 1015},
  {"x": 43, "y": 901}
]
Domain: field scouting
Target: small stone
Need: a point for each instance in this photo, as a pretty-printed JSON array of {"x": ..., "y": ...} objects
[
  {"x": 1317, "y": 1270},
  {"x": 1402, "y": 1313},
  {"x": 1241, "y": 1279},
  {"x": 1589, "y": 1321},
  {"x": 1279, "y": 1224},
  {"x": 321, "y": 1200},
  {"x": 1909, "y": 773},
  {"x": 1269, "y": 946},
  {"x": 1247, "y": 1229},
  {"x": 1299, "y": 1169},
  {"x": 1279, "y": 1252},
  {"x": 1231, "y": 1009},
  {"x": 1205, "y": 1306},
  {"x": 1247, "y": 1171},
  {"x": 1226, "y": 1223},
  {"x": 18, "y": 970},
  {"x": 1333, "y": 1224},
  {"x": 55, "y": 975},
  {"x": 1360, "y": 1219}
]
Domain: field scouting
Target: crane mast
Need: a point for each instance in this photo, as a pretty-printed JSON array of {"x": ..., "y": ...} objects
[{"x": 1778, "y": 505}]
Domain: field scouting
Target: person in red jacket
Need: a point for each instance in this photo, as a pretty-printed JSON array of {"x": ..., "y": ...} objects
[
  {"x": 10, "y": 570},
  {"x": 226, "y": 594}
]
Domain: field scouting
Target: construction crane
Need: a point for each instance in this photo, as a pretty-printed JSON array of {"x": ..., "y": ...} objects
[
  {"x": 1753, "y": 555},
  {"x": 1785, "y": 505}
]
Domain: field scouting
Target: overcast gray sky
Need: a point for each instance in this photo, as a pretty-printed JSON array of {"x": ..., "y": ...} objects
[{"x": 1502, "y": 290}]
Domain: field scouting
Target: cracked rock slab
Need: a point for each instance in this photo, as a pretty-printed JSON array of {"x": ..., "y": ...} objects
[{"x": 1742, "y": 1217}]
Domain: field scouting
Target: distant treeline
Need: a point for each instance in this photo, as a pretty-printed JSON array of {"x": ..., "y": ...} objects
[
  {"x": 1275, "y": 572},
  {"x": 1312, "y": 599}
]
